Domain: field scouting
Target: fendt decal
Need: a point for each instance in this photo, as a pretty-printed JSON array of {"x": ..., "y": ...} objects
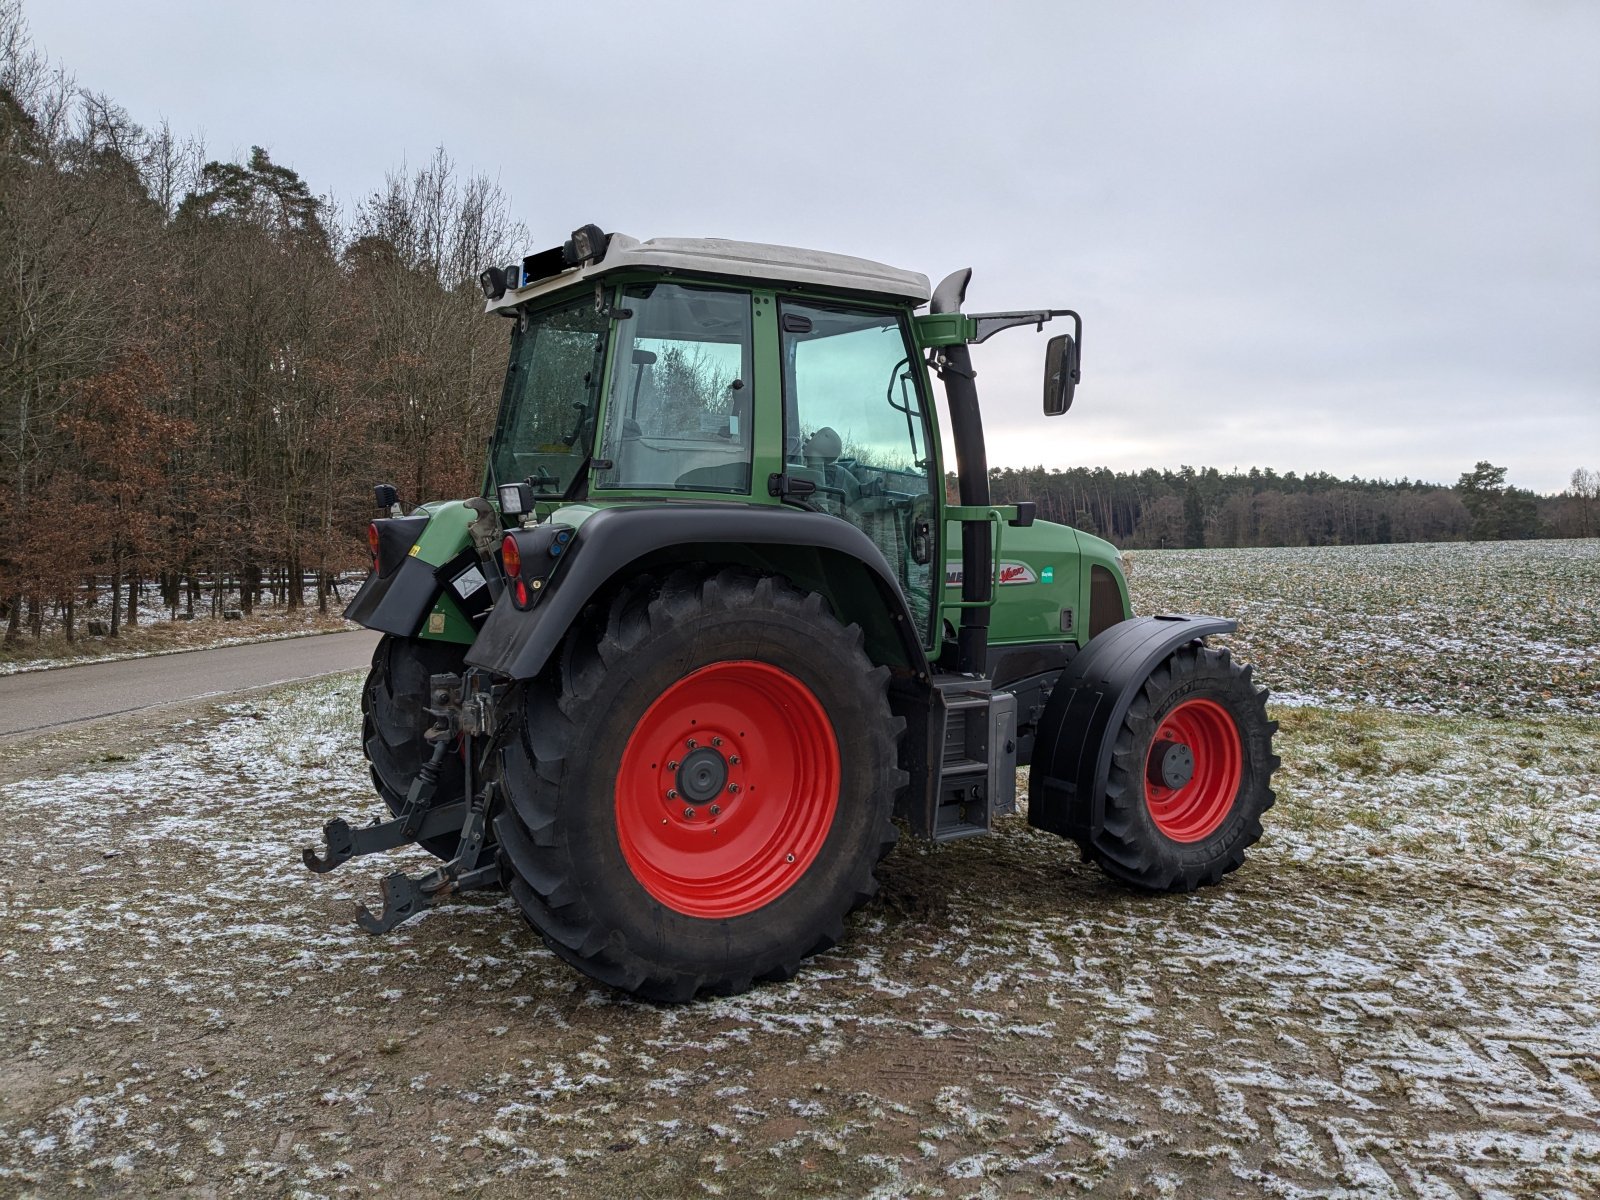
[{"x": 1010, "y": 572}]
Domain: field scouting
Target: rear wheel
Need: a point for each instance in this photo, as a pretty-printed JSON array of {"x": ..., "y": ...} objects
[
  {"x": 702, "y": 787},
  {"x": 1190, "y": 775},
  {"x": 394, "y": 717}
]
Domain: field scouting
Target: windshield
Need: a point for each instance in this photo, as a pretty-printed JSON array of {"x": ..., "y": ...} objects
[{"x": 545, "y": 430}]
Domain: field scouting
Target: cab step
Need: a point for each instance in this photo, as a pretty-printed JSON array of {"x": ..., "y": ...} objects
[{"x": 975, "y": 779}]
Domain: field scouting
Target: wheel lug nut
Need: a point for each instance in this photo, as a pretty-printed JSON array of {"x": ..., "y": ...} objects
[
  {"x": 733, "y": 760},
  {"x": 715, "y": 809},
  {"x": 672, "y": 793},
  {"x": 716, "y": 741},
  {"x": 673, "y": 765},
  {"x": 691, "y": 743},
  {"x": 689, "y": 813},
  {"x": 733, "y": 789}
]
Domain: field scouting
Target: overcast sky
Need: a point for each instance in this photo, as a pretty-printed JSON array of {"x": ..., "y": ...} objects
[{"x": 1355, "y": 237}]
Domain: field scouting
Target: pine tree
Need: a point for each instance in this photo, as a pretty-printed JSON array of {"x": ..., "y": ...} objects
[{"x": 1194, "y": 518}]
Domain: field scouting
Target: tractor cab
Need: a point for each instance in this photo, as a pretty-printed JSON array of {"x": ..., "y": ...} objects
[{"x": 713, "y": 370}]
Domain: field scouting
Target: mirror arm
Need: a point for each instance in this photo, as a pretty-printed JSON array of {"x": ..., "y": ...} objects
[
  {"x": 989, "y": 324},
  {"x": 1077, "y": 340}
]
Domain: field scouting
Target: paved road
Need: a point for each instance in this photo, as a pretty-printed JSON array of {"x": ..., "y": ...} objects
[{"x": 36, "y": 702}]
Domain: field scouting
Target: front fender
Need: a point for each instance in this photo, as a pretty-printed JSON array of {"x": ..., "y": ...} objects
[
  {"x": 1077, "y": 733},
  {"x": 517, "y": 643}
]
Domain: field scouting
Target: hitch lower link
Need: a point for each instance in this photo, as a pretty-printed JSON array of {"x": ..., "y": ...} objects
[{"x": 463, "y": 714}]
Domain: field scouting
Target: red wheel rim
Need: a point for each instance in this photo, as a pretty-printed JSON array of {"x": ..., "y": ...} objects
[
  {"x": 1194, "y": 809},
  {"x": 775, "y": 792}
]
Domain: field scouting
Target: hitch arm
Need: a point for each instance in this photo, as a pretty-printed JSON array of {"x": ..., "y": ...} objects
[
  {"x": 464, "y": 715},
  {"x": 342, "y": 843},
  {"x": 414, "y": 822},
  {"x": 404, "y": 897}
]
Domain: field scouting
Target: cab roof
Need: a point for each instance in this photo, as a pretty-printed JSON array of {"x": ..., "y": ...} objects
[{"x": 754, "y": 262}]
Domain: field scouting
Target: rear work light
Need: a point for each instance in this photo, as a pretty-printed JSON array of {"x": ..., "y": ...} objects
[{"x": 516, "y": 499}]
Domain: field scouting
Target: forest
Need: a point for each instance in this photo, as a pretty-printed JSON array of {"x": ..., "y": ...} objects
[
  {"x": 1189, "y": 507},
  {"x": 204, "y": 365}
]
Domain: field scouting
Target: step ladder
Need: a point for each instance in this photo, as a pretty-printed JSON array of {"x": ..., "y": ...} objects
[{"x": 975, "y": 777}]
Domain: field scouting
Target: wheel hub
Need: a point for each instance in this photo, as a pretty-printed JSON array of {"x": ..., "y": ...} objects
[
  {"x": 1194, "y": 770},
  {"x": 702, "y": 775},
  {"x": 1171, "y": 764}
]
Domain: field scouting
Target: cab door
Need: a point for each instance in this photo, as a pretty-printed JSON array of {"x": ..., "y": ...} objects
[{"x": 856, "y": 426}]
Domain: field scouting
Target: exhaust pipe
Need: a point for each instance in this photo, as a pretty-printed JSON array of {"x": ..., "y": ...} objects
[{"x": 972, "y": 470}]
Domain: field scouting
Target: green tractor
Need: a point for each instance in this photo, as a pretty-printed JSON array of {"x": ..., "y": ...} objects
[{"x": 714, "y": 633}]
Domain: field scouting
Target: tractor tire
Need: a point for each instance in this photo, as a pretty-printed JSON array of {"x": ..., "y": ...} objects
[
  {"x": 702, "y": 786},
  {"x": 1190, "y": 777},
  {"x": 394, "y": 717}
]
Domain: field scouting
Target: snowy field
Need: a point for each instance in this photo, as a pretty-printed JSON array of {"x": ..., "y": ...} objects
[
  {"x": 1485, "y": 627},
  {"x": 1399, "y": 994}
]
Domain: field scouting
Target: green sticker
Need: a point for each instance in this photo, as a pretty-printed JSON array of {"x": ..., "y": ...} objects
[{"x": 1048, "y": 575}]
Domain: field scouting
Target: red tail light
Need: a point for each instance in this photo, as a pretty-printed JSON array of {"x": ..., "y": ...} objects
[
  {"x": 511, "y": 557},
  {"x": 519, "y": 592},
  {"x": 372, "y": 541}
]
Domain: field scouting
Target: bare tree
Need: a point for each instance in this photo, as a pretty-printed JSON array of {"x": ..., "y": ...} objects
[
  {"x": 1585, "y": 491},
  {"x": 419, "y": 245}
]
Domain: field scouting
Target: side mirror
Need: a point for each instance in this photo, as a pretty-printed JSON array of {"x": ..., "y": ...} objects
[{"x": 1060, "y": 374}]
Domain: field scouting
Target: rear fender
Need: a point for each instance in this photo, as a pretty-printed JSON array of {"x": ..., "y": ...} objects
[
  {"x": 814, "y": 550},
  {"x": 418, "y": 557},
  {"x": 1076, "y": 735},
  {"x": 401, "y": 587}
]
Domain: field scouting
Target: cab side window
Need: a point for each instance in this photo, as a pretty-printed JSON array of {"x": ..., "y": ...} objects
[
  {"x": 678, "y": 411},
  {"x": 855, "y": 427}
]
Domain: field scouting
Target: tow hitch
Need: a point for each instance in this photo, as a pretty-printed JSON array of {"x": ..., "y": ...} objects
[{"x": 466, "y": 713}]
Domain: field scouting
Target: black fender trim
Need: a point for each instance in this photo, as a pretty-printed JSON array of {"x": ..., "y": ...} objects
[
  {"x": 518, "y": 643},
  {"x": 396, "y": 603},
  {"x": 1073, "y": 745}
]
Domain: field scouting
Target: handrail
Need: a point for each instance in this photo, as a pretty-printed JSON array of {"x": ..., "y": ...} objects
[{"x": 997, "y": 516}]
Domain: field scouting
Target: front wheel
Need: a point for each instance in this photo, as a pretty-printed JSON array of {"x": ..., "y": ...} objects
[
  {"x": 702, "y": 786},
  {"x": 1191, "y": 773}
]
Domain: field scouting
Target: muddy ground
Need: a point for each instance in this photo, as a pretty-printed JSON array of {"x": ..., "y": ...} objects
[{"x": 1399, "y": 995}]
